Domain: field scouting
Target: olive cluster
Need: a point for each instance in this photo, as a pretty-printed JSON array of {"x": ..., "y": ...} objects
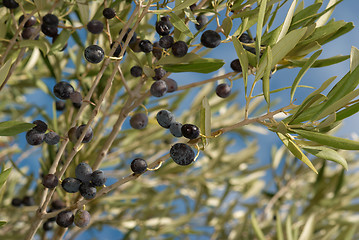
[
  {"x": 55, "y": 205},
  {"x": 66, "y": 218},
  {"x": 26, "y": 201},
  {"x": 38, "y": 135},
  {"x": 85, "y": 182},
  {"x": 181, "y": 153},
  {"x": 64, "y": 90}
]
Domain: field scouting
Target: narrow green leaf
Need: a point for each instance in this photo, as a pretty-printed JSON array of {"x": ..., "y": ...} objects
[
  {"x": 347, "y": 84},
  {"x": 266, "y": 76},
  {"x": 308, "y": 228},
  {"x": 41, "y": 85},
  {"x": 170, "y": 59},
  {"x": 295, "y": 150},
  {"x": 321, "y": 62},
  {"x": 305, "y": 105},
  {"x": 180, "y": 25},
  {"x": 271, "y": 20},
  {"x": 4, "y": 175},
  {"x": 350, "y": 207},
  {"x": 2, "y": 223},
  {"x": 40, "y": 4},
  {"x": 305, "y": 14},
  {"x": 84, "y": 11},
  {"x": 77, "y": 39},
  {"x": 227, "y": 25},
  {"x": 17, "y": 168},
  {"x": 3, "y": 21},
  {"x": 324, "y": 18},
  {"x": 301, "y": 73},
  {"x": 43, "y": 45},
  {"x": 262, "y": 11},
  {"x": 237, "y": 5},
  {"x": 54, "y": 119},
  {"x": 327, "y": 154},
  {"x": 281, "y": 89},
  {"x": 61, "y": 40},
  {"x": 354, "y": 58},
  {"x": 299, "y": 8},
  {"x": 282, "y": 48},
  {"x": 241, "y": 27},
  {"x": 149, "y": 59},
  {"x": 327, "y": 126},
  {"x": 310, "y": 30},
  {"x": 247, "y": 13},
  {"x": 277, "y": 155},
  {"x": 149, "y": 72},
  {"x": 343, "y": 30},
  {"x": 323, "y": 32},
  {"x": 252, "y": 60},
  {"x": 4, "y": 70},
  {"x": 307, "y": 114},
  {"x": 279, "y": 226},
  {"x": 287, "y": 21},
  {"x": 11, "y": 128},
  {"x": 340, "y": 183},
  {"x": 256, "y": 227},
  {"x": 321, "y": 88},
  {"x": 328, "y": 121},
  {"x": 282, "y": 128},
  {"x": 271, "y": 37},
  {"x": 184, "y": 4},
  {"x": 203, "y": 65},
  {"x": 288, "y": 227},
  {"x": 347, "y": 112},
  {"x": 134, "y": 57},
  {"x": 303, "y": 50},
  {"x": 205, "y": 123},
  {"x": 334, "y": 106},
  {"x": 50, "y": 67},
  {"x": 311, "y": 15},
  {"x": 243, "y": 60},
  {"x": 349, "y": 233},
  {"x": 161, "y": 11},
  {"x": 325, "y": 139},
  {"x": 190, "y": 15}
]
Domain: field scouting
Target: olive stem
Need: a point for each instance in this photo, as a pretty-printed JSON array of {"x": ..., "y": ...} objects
[{"x": 160, "y": 160}]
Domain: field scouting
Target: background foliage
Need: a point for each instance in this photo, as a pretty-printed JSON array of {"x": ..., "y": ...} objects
[{"x": 228, "y": 193}]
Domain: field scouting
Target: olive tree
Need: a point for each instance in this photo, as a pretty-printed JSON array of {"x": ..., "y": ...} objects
[{"x": 153, "y": 151}]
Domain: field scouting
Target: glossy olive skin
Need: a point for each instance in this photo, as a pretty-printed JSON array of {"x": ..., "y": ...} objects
[
  {"x": 190, "y": 131},
  {"x": 138, "y": 165}
]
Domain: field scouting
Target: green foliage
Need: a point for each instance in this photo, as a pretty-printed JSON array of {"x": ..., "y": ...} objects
[
  {"x": 227, "y": 189},
  {"x": 3, "y": 176},
  {"x": 202, "y": 65},
  {"x": 295, "y": 150},
  {"x": 11, "y": 128}
]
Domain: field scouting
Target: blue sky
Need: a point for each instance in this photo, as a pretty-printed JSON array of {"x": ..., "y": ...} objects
[{"x": 347, "y": 10}]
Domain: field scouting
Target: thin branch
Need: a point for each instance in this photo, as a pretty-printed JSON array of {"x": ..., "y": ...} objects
[
  {"x": 106, "y": 190},
  {"x": 257, "y": 119},
  {"x": 13, "y": 40},
  {"x": 46, "y": 196},
  {"x": 155, "y": 163},
  {"x": 124, "y": 82},
  {"x": 196, "y": 84}
]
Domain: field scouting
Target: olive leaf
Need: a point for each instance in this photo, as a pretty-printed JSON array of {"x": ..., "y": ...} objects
[{"x": 11, "y": 128}]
